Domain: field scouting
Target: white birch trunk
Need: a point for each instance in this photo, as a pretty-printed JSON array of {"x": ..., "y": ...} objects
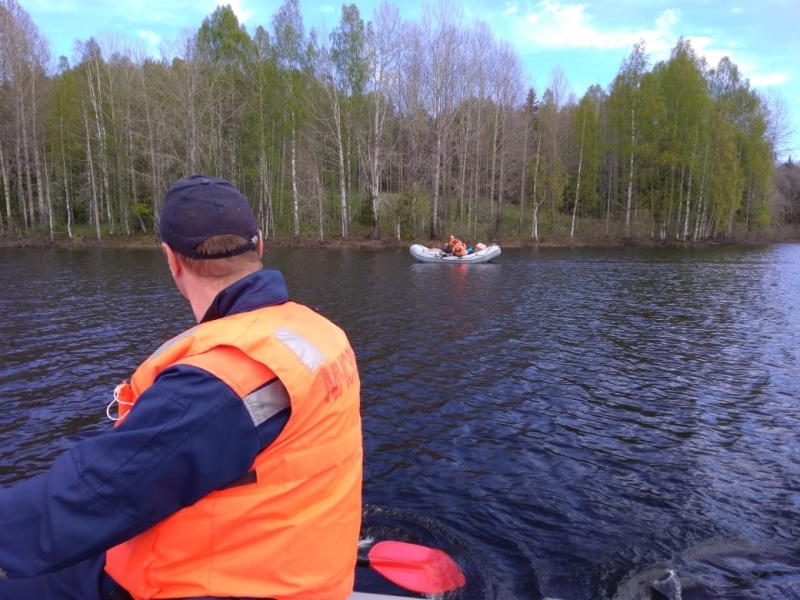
[
  {"x": 630, "y": 175},
  {"x": 266, "y": 193},
  {"x": 40, "y": 192},
  {"x": 703, "y": 201},
  {"x": 523, "y": 170},
  {"x": 463, "y": 172},
  {"x": 375, "y": 167},
  {"x": 67, "y": 195},
  {"x": 155, "y": 180},
  {"x": 337, "y": 115},
  {"x": 502, "y": 180},
  {"x": 24, "y": 167},
  {"x": 94, "y": 203},
  {"x": 578, "y": 184},
  {"x": 295, "y": 195},
  {"x": 492, "y": 171},
  {"x": 436, "y": 178},
  {"x": 473, "y": 197},
  {"x": 48, "y": 200},
  {"x": 535, "y": 220},
  {"x": 96, "y": 97},
  {"x": 6, "y": 190},
  {"x": 40, "y": 186},
  {"x": 680, "y": 204}
]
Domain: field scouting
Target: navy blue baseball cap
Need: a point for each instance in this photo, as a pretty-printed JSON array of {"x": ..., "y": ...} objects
[{"x": 199, "y": 207}]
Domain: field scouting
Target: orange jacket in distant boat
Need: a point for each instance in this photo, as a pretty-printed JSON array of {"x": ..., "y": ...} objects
[
  {"x": 459, "y": 247},
  {"x": 284, "y": 534}
]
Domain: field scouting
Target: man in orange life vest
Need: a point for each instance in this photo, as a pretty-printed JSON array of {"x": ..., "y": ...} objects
[{"x": 235, "y": 466}]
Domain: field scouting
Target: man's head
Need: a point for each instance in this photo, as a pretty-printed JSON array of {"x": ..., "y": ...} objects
[
  {"x": 210, "y": 237},
  {"x": 207, "y": 222},
  {"x": 198, "y": 208}
]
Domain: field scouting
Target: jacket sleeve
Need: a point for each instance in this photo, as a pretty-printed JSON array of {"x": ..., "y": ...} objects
[{"x": 189, "y": 434}]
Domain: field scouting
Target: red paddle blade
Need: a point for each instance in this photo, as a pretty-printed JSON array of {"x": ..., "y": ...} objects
[{"x": 416, "y": 568}]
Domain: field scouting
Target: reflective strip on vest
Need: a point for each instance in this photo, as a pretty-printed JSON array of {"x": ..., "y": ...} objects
[
  {"x": 171, "y": 342},
  {"x": 306, "y": 352},
  {"x": 267, "y": 402}
]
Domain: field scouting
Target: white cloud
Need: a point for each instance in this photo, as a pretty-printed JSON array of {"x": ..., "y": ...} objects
[
  {"x": 553, "y": 25},
  {"x": 668, "y": 18},
  {"x": 557, "y": 25},
  {"x": 748, "y": 68},
  {"x": 327, "y": 9},
  {"x": 53, "y": 6},
  {"x": 151, "y": 37},
  {"x": 239, "y": 10},
  {"x": 703, "y": 47},
  {"x": 770, "y": 79}
]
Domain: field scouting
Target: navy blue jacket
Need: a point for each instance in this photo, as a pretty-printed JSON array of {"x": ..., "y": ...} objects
[{"x": 189, "y": 435}]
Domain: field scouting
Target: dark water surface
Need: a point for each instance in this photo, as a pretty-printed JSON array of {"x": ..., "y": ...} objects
[{"x": 564, "y": 423}]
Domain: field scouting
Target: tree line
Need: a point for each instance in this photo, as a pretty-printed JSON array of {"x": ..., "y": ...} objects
[{"x": 384, "y": 128}]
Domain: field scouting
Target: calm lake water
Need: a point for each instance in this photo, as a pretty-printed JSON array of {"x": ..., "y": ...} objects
[{"x": 566, "y": 423}]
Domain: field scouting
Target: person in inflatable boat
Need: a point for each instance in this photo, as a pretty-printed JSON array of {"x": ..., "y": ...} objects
[
  {"x": 234, "y": 468},
  {"x": 456, "y": 247}
]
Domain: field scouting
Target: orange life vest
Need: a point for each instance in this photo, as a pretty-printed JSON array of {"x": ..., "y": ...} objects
[
  {"x": 293, "y": 533},
  {"x": 457, "y": 247}
]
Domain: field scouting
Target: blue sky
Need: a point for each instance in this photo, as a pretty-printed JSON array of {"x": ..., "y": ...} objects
[{"x": 588, "y": 40}]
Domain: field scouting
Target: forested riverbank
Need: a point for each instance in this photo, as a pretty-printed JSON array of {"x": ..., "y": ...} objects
[{"x": 384, "y": 132}]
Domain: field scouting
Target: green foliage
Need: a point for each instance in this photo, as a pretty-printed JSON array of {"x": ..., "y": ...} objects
[
  {"x": 222, "y": 41},
  {"x": 289, "y": 41},
  {"x": 140, "y": 209},
  {"x": 588, "y": 141},
  {"x": 348, "y": 52},
  {"x": 409, "y": 210}
]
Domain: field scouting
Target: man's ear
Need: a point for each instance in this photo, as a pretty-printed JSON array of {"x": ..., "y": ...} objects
[
  {"x": 172, "y": 260},
  {"x": 260, "y": 247}
]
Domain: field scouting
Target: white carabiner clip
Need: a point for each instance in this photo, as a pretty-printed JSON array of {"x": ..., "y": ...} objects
[{"x": 116, "y": 400}]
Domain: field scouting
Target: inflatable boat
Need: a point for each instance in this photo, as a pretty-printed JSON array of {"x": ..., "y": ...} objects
[{"x": 428, "y": 255}]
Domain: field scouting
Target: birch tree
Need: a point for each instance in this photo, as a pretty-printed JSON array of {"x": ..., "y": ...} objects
[
  {"x": 224, "y": 47},
  {"x": 587, "y": 139},
  {"x": 552, "y": 176},
  {"x": 344, "y": 71},
  {"x": 289, "y": 46},
  {"x": 507, "y": 95},
  {"x": 626, "y": 100},
  {"x": 264, "y": 114},
  {"x": 441, "y": 27},
  {"x": 65, "y": 121},
  {"x": 92, "y": 63},
  {"x": 687, "y": 103},
  {"x": 25, "y": 55},
  {"x": 382, "y": 61},
  {"x": 529, "y": 115}
]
